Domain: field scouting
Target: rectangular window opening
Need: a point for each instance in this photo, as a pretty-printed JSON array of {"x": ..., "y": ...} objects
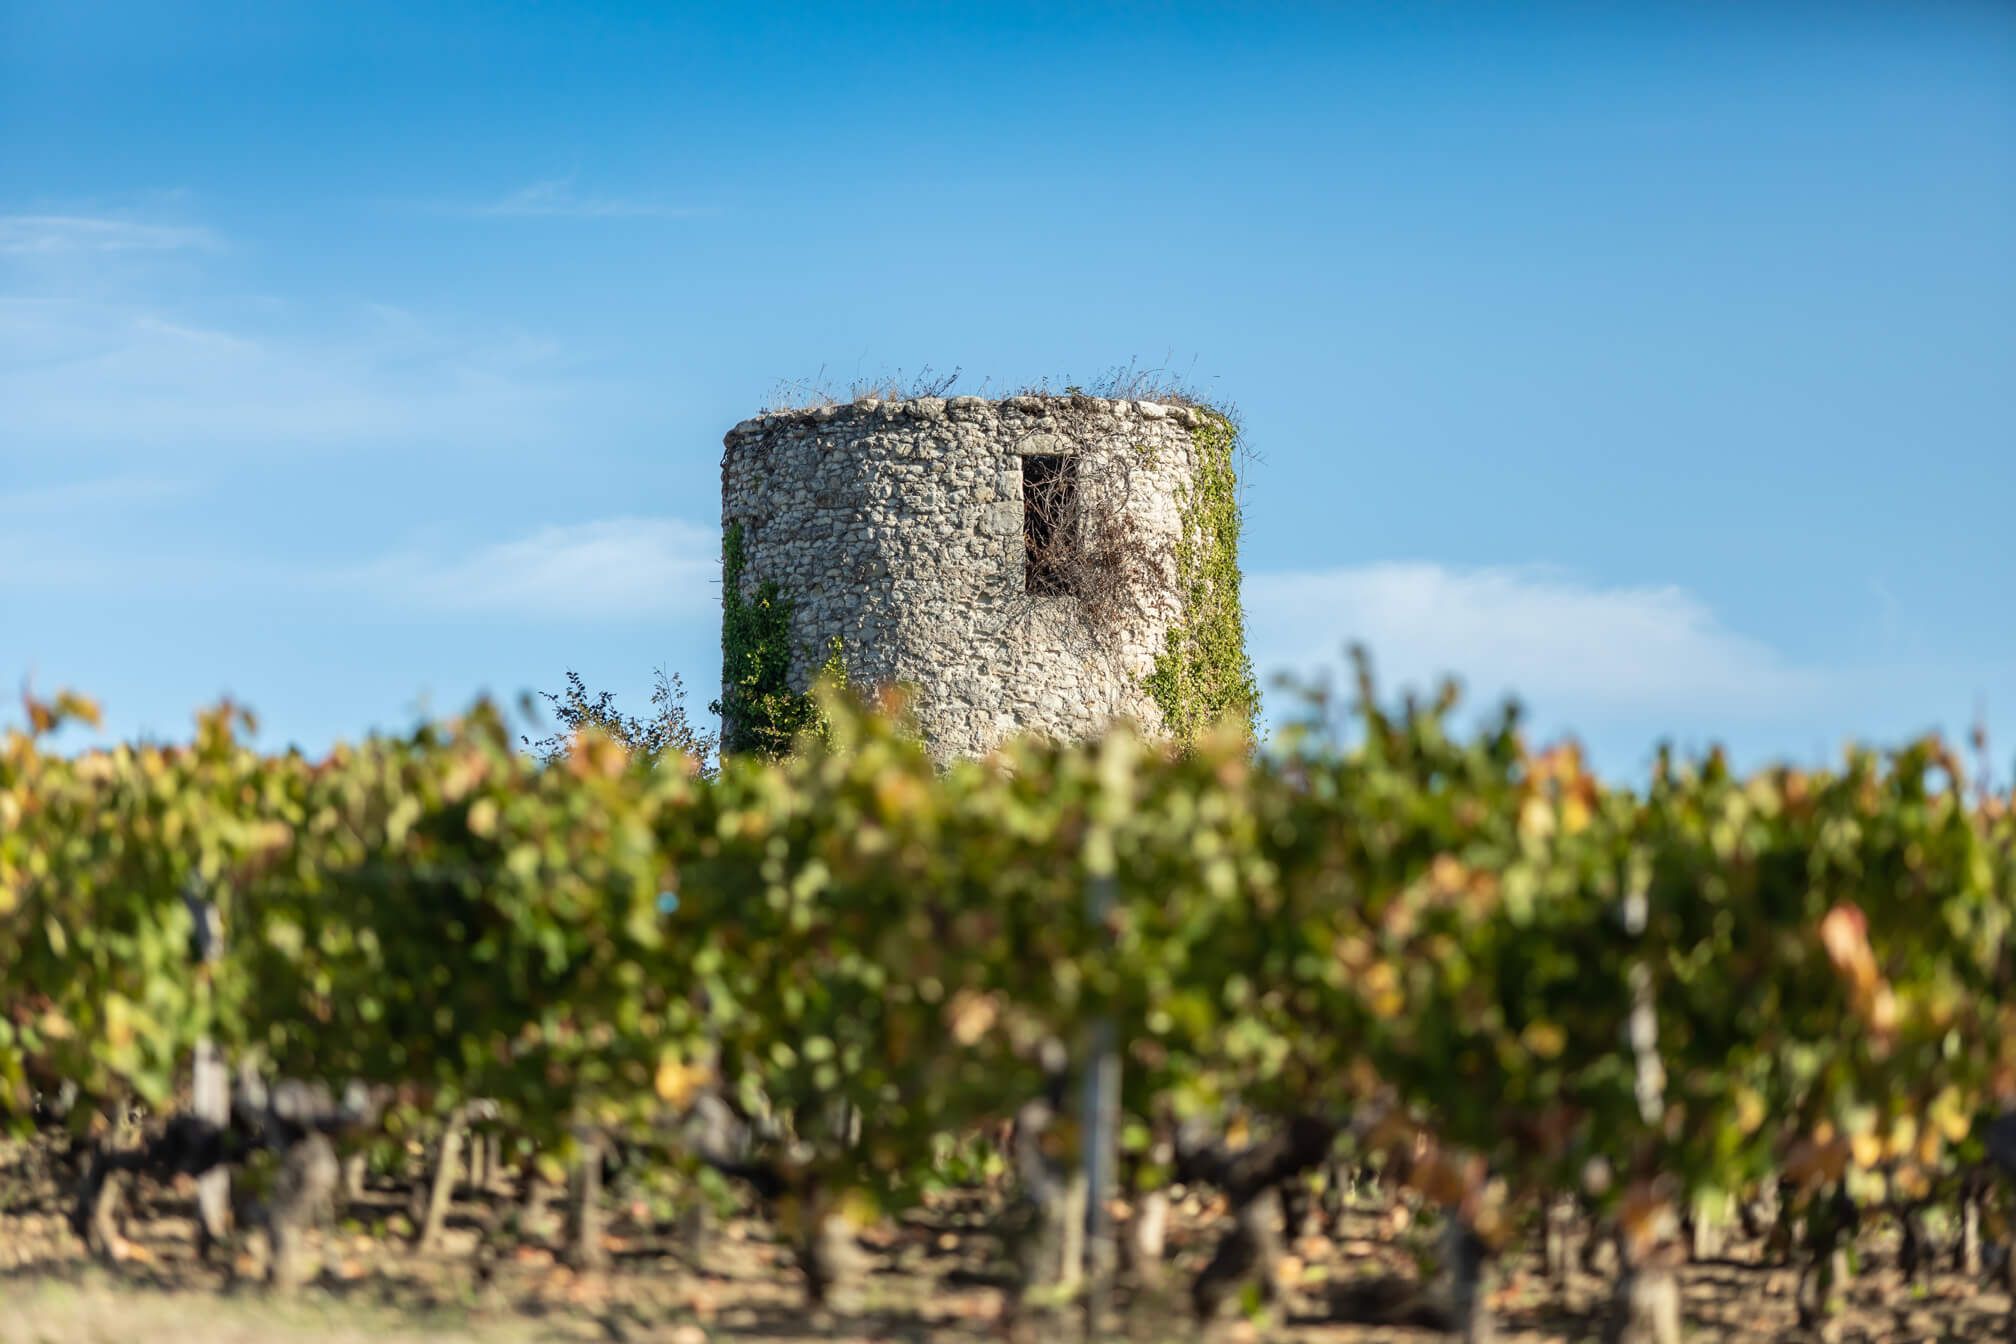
[{"x": 1049, "y": 517}]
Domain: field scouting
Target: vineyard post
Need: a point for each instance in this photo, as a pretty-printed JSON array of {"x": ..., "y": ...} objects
[
  {"x": 210, "y": 1088},
  {"x": 1101, "y": 1129},
  {"x": 1645, "y": 1305}
]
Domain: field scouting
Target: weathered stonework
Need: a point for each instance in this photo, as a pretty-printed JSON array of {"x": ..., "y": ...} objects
[{"x": 898, "y": 528}]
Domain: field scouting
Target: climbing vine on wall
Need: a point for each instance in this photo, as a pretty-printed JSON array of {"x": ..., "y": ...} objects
[
  {"x": 1203, "y": 674},
  {"x": 760, "y": 713}
]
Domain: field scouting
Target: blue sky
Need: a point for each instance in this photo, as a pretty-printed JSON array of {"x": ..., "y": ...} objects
[{"x": 1655, "y": 362}]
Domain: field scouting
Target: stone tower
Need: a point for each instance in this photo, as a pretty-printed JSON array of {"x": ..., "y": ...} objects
[{"x": 1039, "y": 562}]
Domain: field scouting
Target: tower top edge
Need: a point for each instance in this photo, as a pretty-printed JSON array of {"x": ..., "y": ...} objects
[{"x": 871, "y": 410}]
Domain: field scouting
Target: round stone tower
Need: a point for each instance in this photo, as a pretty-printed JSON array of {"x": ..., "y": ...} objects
[{"x": 1039, "y": 562}]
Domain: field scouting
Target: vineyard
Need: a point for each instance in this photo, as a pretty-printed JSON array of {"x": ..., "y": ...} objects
[{"x": 1388, "y": 964}]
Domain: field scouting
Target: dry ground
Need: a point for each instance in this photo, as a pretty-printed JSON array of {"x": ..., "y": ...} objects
[{"x": 933, "y": 1277}]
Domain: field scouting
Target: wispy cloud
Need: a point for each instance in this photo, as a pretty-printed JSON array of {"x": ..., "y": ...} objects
[
  {"x": 134, "y": 359},
  {"x": 75, "y": 498},
  {"x": 556, "y": 198},
  {"x": 125, "y": 372},
  {"x": 612, "y": 569},
  {"x": 56, "y": 235},
  {"x": 83, "y": 535},
  {"x": 1560, "y": 643}
]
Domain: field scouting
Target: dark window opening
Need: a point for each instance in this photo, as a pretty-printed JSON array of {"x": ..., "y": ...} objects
[{"x": 1049, "y": 515}]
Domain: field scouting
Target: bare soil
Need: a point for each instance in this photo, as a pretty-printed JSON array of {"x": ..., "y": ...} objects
[{"x": 934, "y": 1275}]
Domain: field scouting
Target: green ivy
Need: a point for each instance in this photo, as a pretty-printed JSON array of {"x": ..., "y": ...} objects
[
  {"x": 760, "y": 712},
  {"x": 832, "y": 673},
  {"x": 1203, "y": 674}
]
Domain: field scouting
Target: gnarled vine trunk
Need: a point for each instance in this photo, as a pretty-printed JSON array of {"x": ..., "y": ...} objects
[
  {"x": 302, "y": 1198},
  {"x": 1471, "y": 1274},
  {"x": 1043, "y": 1227},
  {"x": 1251, "y": 1249},
  {"x": 441, "y": 1185},
  {"x": 210, "y": 1101},
  {"x": 1646, "y": 1306},
  {"x": 1557, "y": 1241},
  {"x": 828, "y": 1254},
  {"x": 1148, "y": 1238},
  {"x": 584, "y": 1205}
]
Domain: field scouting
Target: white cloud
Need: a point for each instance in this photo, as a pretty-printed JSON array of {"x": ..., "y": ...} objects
[
  {"x": 1559, "y": 643},
  {"x": 52, "y": 235},
  {"x": 614, "y": 569},
  {"x": 557, "y": 199}
]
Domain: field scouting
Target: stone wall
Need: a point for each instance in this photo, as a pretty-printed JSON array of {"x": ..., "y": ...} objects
[{"x": 897, "y": 527}]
